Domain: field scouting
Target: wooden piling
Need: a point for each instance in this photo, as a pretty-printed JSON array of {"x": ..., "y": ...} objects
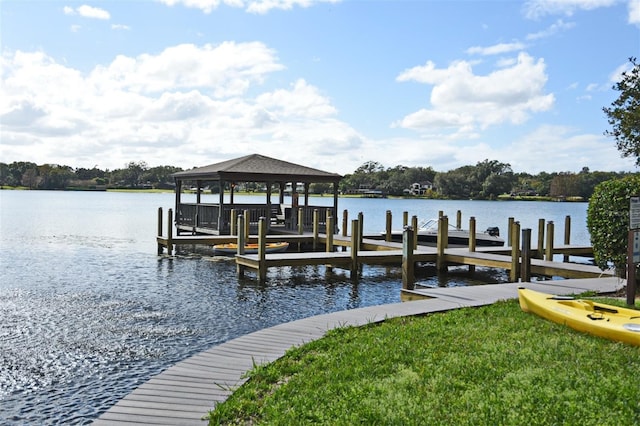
[
  {"x": 515, "y": 252},
  {"x": 360, "y": 229},
  {"x": 345, "y": 222},
  {"x": 441, "y": 243},
  {"x": 300, "y": 220},
  {"x": 549, "y": 247},
  {"x": 509, "y": 228},
  {"x": 160, "y": 247},
  {"x": 459, "y": 219},
  {"x": 247, "y": 223},
  {"x": 329, "y": 240},
  {"x": 241, "y": 241},
  {"x": 472, "y": 239},
  {"x": 387, "y": 235},
  {"x": 408, "y": 265},
  {"x": 525, "y": 267},
  {"x": 316, "y": 231},
  {"x": 405, "y": 220},
  {"x": 233, "y": 221},
  {"x": 262, "y": 249},
  {"x": 355, "y": 238},
  {"x": 540, "y": 251},
  {"x": 567, "y": 235},
  {"x": 414, "y": 225},
  {"x": 170, "y": 232}
]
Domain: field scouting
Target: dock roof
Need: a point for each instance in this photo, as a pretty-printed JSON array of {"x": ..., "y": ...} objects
[{"x": 258, "y": 168}]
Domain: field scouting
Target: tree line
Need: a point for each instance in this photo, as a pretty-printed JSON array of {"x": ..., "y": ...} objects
[{"x": 486, "y": 179}]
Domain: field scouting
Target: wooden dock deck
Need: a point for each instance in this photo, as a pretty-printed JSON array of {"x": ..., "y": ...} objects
[{"x": 184, "y": 393}]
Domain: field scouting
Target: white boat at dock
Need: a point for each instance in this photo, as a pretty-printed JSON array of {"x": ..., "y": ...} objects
[{"x": 428, "y": 235}]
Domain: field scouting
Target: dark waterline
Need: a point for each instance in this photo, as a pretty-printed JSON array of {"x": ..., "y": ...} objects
[{"x": 88, "y": 311}]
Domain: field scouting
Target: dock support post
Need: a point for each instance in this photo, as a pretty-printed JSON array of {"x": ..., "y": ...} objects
[
  {"x": 355, "y": 238},
  {"x": 262, "y": 249},
  {"x": 514, "y": 273},
  {"x": 247, "y": 223},
  {"x": 567, "y": 235},
  {"x": 170, "y": 232},
  {"x": 159, "y": 229},
  {"x": 241, "y": 243},
  {"x": 525, "y": 268},
  {"x": 441, "y": 243},
  {"x": 345, "y": 222},
  {"x": 509, "y": 228},
  {"x": 300, "y": 220},
  {"x": 549, "y": 248},
  {"x": 316, "y": 224},
  {"x": 472, "y": 239},
  {"x": 458, "y": 219},
  {"x": 234, "y": 222},
  {"x": 329, "y": 240},
  {"x": 387, "y": 235},
  {"x": 408, "y": 265},
  {"x": 405, "y": 220},
  {"x": 414, "y": 225},
  {"x": 540, "y": 252},
  {"x": 360, "y": 229}
]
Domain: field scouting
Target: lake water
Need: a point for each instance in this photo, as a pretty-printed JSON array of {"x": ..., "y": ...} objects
[{"x": 88, "y": 311}]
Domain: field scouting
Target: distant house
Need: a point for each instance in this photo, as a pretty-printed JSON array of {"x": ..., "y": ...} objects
[{"x": 419, "y": 188}]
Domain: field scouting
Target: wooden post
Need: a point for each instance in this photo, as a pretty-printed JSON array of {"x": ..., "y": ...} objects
[
  {"x": 316, "y": 224},
  {"x": 360, "y": 229},
  {"x": 408, "y": 265},
  {"x": 414, "y": 226},
  {"x": 472, "y": 239},
  {"x": 441, "y": 244},
  {"x": 300, "y": 220},
  {"x": 160, "y": 229},
  {"x": 567, "y": 235},
  {"x": 540, "y": 252},
  {"x": 262, "y": 249},
  {"x": 514, "y": 273},
  {"x": 387, "y": 235},
  {"x": 458, "y": 219},
  {"x": 329, "y": 240},
  {"x": 355, "y": 227},
  {"x": 170, "y": 232},
  {"x": 525, "y": 268},
  {"x": 440, "y": 214},
  {"x": 234, "y": 222},
  {"x": 631, "y": 270},
  {"x": 247, "y": 224},
  {"x": 549, "y": 248},
  {"x": 405, "y": 219},
  {"x": 345, "y": 222},
  {"x": 241, "y": 243},
  {"x": 509, "y": 228}
]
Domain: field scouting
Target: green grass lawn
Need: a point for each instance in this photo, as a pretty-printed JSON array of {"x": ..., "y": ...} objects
[{"x": 493, "y": 365}]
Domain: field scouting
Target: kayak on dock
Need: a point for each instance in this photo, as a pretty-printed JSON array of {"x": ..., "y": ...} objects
[
  {"x": 608, "y": 321},
  {"x": 252, "y": 248}
]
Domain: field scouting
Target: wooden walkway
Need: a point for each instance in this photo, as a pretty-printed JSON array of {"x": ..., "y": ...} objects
[{"x": 184, "y": 393}]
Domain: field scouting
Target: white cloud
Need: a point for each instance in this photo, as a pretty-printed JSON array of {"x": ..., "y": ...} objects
[
  {"x": 634, "y": 12},
  {"x": 496, "y": 49},
  {"x": 534, "y": 9},
  {"x": 87, "y": 12},
  {"x": 553, "y": 29},
  {"x": 120, "y": 27},
  {"x": 251, "y": 6},
  {"x": 188, "y": 105},
  {"x": 463, "y": 101}
]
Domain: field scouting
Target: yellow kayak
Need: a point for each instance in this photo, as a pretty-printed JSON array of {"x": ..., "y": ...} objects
[
  {"x": 251, "y": 248},
  {"x": 610, "y": 322}
]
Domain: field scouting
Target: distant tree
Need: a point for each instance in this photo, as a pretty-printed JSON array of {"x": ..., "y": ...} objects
[
  {"x": 608, "y": 221},
  {"x": 624, "y": 113}
]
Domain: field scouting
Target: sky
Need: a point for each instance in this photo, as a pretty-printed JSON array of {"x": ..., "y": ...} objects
[{"x": 327, "y": 84}]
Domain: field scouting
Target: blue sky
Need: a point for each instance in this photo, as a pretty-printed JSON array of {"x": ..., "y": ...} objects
[{"x": 328, "y": 84}]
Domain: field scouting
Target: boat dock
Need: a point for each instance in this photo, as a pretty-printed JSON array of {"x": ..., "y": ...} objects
[{"x": 184, "y": 393}]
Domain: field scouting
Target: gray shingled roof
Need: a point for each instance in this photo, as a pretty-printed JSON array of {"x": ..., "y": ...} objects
[{"x": 258, "y": 168}]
